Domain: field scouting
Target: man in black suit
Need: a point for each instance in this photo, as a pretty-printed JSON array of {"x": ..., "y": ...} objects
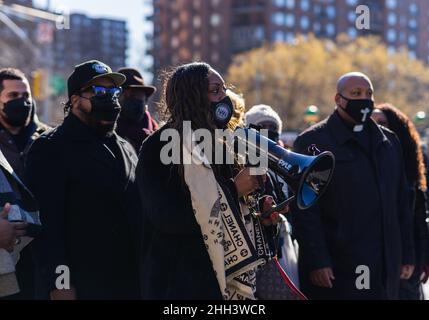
[{"x": 83, "y": 176}]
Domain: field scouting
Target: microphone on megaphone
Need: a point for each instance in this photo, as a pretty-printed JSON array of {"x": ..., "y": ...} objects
[{"x": 307, "y": 176}]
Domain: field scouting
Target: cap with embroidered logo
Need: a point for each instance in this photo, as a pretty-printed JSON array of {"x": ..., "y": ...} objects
[{"x": 86, "y": 72}]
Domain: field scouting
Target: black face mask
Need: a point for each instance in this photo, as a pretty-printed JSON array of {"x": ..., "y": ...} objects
[
  {"x": 104, "y": 108},
  {"x": 133, "y": 109},
  {"x": 17, "y": 111},
  {"x": 359, "y": 110},
  {"x": 222, "y": 112}
]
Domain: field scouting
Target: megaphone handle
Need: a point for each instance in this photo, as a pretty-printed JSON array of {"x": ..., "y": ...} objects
[{"x": 277, "y": 208}]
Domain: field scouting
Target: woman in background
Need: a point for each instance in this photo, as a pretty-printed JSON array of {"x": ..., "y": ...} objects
[{"x": 395, "y": 120}]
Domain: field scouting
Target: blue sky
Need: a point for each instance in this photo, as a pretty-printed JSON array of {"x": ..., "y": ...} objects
[{"x": 130, "y": 10}]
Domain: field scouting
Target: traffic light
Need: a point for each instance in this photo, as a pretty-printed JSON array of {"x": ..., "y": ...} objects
[
  {"x": 311, "y": 114},
  {"x": 37, "y": 84}
]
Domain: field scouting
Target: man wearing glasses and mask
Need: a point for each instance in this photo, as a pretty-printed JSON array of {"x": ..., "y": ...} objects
[{"x": 82, "y": 174}]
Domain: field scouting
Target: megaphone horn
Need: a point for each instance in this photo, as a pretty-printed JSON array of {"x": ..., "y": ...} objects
[{"x": 307, "y": 176}]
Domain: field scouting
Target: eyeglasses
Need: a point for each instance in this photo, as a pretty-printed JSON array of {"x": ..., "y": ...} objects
[{"x": 102, "y": 91}]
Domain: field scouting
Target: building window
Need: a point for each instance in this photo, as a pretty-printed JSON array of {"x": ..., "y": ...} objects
[
  {"x": 290, "y": 4},
  {"x": 175, "y": 23},
  {"x": 197, "y": 4},
  {"x": 317, "y": 9},
  {"x": 316, "y": 27},
  {"x": 305, "y": 22},
  {"x": 278, "y": 18},
  {"x": 290, "y": 20},
  {"x": 196, "y": 22},
  {"x": 330, "y": 29},
  {"x": 412, "y": 40},
  {"x": 413, "y": 8},
  {"x": 330, "y": 11},
  {"x": 391, "y": 19},
  {"x": 305, "y": 5},
  {"x": 412, "y": 23},
  {"x": 351, "y": 16},
  {"x": 391, "y": 35},
  {"x": 215, "y": 20},
  {"x": 175, "y": 42},
  {"x": 391, "y": 50},
  {"x": 197, "y": 41},
  {"x": 352, "y": 2},
  {"x": 290, "y": 37},
  {"x": 352, "y": 33},
  {"x": 279, "y": 36},
  {"x": 260, "y": 33},
  {"x": 391, "y": 4},
  {"x": 280, "y": 3}
]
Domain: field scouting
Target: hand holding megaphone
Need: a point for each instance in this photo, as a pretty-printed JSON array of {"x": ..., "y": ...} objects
[
  {"x": 246, "y": 183},
  {"x": 307, "y": 176},
  {"x": 270, "y": 214}
]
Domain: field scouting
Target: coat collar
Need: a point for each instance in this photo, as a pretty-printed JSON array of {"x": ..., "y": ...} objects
[
  {"x": 75, "y": 130},
  {"x": 343, "y": 134}
]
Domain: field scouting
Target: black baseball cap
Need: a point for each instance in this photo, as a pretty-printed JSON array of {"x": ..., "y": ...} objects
[{"x": 85, "y": 72}]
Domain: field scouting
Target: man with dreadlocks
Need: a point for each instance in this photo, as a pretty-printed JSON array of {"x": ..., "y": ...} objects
[{"x": 83, "y": 176}]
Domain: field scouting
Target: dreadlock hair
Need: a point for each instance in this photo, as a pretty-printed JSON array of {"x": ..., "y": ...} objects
[
  {"x": 411, "y": 144},
  {"x": 186, "y": 98}
]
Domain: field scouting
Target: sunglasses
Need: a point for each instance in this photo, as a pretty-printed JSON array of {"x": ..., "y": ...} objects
[{"x": 102, "y": 91}]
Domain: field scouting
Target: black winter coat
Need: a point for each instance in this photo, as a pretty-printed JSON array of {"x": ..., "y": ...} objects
[
  {"x": 89, "y": 208},
  {"x": 175, "y": 263},
  {"x": 363, "y": 219}
]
